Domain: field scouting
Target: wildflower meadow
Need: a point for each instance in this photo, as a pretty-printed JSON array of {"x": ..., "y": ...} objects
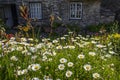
[{"x": 70, "y": 57}]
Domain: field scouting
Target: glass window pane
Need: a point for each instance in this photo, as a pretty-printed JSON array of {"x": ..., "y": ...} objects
[
  {"x": 35, "y": 10},
  {"x": 75, "y": 10}
]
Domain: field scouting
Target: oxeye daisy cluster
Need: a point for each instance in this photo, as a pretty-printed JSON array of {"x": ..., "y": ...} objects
[{"x": 71, "y": 57}]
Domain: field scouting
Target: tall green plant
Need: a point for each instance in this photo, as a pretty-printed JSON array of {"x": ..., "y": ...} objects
[
  {"x": 114, "y": 28},
  {"x": 2, "y": 29},
  {"x": 24, "y": 13}
]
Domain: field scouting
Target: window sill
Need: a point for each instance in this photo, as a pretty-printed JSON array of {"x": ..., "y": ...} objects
[
  {"x": 75, "y": 19},
  {"x": 36, "y": 20}
]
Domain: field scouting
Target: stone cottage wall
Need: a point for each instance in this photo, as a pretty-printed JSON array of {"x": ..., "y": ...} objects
[
  {"x": 107, "y": 16},
  {"x": 90, "y": 15},
  {"x": 44, "y": 11}
]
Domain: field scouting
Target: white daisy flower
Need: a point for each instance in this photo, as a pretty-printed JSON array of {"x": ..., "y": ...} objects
[
  {"x": 44, "y": 58},
  {"x": 87, "y": 36},
  {"x": 61, "y": 66},
  {"x": 102, "y": 57},
  {"x": 87, "y": 67},
  {"x": 33, "y": 49},
  {"x": 23, "y": 39},
  {"x": 55, "y": 41},
  {"x": 86, "y": 43},
  {"x": 36, "y": 67},
  {"x": 100, "y": 46},
  {"x": 73, "y": 40},
  {"x": 14, "y": 58},
  {"x": 92, "y": 53},
  {"x": 39, "y": 46},
  {"x": 63, "y": 60},
  {"x": 54, "y": 53},
  {"x": 30, "y": 67},
  {"x": 59, "y": 47},
  {"x": 34, "y": 57},
  {"x": 112, "y": 69},
  {"x": 108, "y": 55},
  {"x": 19, "y": 48},
  {"x": 69, "y": 73},
  {"x": 62, "y": 38},
  {"x": 49, "y": 45},
  {"x": 80, "y": 45},
  {"x": 30, "y": 39},
  {"x": 65, "y": 47},
  {"x": 81, "y": 56},
  {"x": 71, "y": 47},
  {"x": 12, "y": 49},
  {"x": 66, "y": 35},
  {"x": 70, "y": 32},
  {"x": 18, "y": 67},
  {"x": 104, "y": 48},
  {"x": 19, "y": 72},
  {"x": 112, "y": 52},
  {"x": 96, "y": 75},
  {"x": 12, "y": 38},
  {"x": 44, "y": 40},
  {"x": 24, "y": 43},
  {"x": 28, "y": 53},
  {"x": 112, "y": 65},
  {"x": 47, "y": 78},
  {"x": 24, "y": 71},
  {"x": 35, "y": 78},
  {"x": 50, "y": 59},
  {"x": 77, "y": 37},
  {"x": 80, "y": 35},
  {"x": 24, "y": 51},
  {"x": 70, "y": 64},
  {"x": 94, "y": 42},
  {"x": 109, "y": 44}
]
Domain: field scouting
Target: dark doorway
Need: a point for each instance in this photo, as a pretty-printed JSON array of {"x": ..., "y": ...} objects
[
  {"x": 8, "y": 14},
  {"x": 14, "y": 15}
]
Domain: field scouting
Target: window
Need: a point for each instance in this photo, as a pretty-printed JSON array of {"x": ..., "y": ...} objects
[
  {"x": 35, "y": 11},
  {"x": 75, "y": 10}
]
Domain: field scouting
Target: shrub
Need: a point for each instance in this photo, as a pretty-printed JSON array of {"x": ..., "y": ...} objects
[
  {"x": 115, "y": 39},
  {"x": 73, "y": 28},
  {"x": 112, "y": 27}
]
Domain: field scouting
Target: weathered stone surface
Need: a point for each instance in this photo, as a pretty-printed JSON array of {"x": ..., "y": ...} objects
[
  {"x": 92, "y": 13},
  {"x": 113, "y": 6}
]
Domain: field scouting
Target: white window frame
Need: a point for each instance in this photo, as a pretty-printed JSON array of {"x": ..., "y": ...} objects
[
  {"x": 77, "y": 12},
  {"x": 35, "y": 9}
]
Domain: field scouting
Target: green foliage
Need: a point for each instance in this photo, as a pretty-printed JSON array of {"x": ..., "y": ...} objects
[
  {"x": 115, "y": 27},
  {"x": 2, "y": 25},
  {"x": 73, "y": 28},
  {"x": 110, "y": 27},
  {"x": 56, "y": 24},
  {"x": 115, "y": 39},
  {"x": 94, "y": 28},
  {"x": 37, "y": 30},
  {"x": 2, "y": 29}
]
